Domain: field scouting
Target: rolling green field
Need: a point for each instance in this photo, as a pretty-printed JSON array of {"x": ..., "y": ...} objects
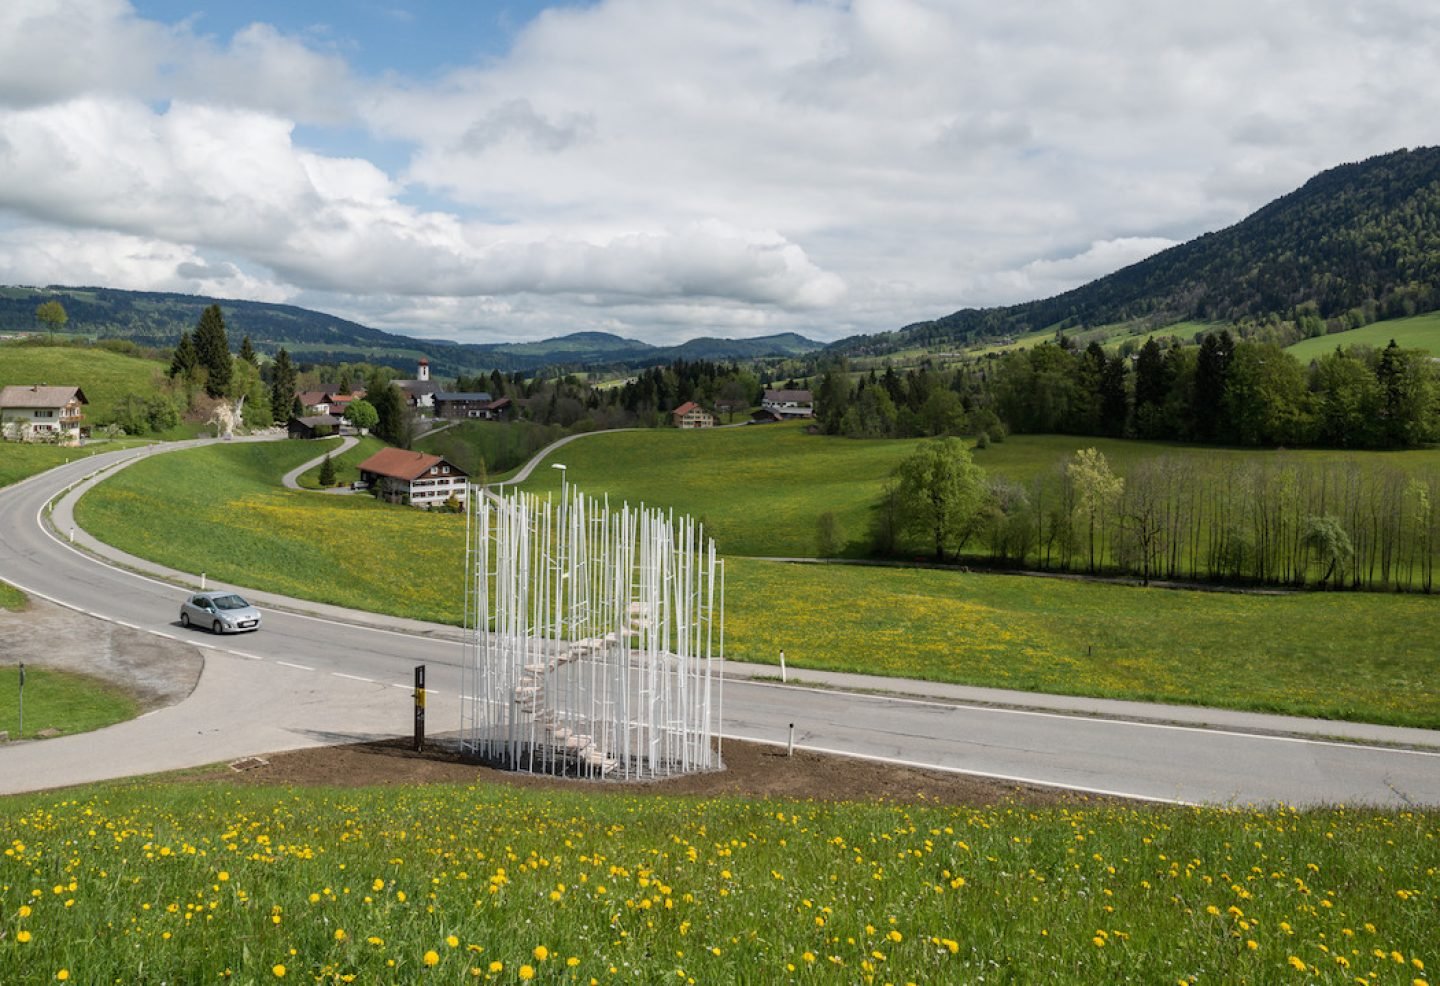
[
  {"x": 1334, "y": 655},
  {"x": 70, "y": 703},
  {"x": 1416, "y": 332},
  {"x": 105, "y": 377},
  {"x": 1346, "y": 656},
  {"x": 758, "y": 489},
  {"x": 445, "y": 884},
  {"x": 761, "y": 489},
  {"x": 224, "y": 513}
]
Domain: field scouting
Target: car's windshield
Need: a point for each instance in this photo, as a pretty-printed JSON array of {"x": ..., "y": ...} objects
[{"x": 230, "y": 602}]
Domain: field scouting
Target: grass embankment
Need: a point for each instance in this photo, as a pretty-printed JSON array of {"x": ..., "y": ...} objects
[
  {"x": 1416, "y": 332},
  {"x": 1337, "y": 655},
  {"x": 21, "y": 461},
  {"x": 223, "y": 512},
  {"x": 11, "y": 598},
  {"x": 60, "y": 700},
  {"x": 447, "y": 884},
  {"x": 346, "y": 464}
]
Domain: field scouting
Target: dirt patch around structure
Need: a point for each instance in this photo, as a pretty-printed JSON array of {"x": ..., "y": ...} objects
[{"x": 751, "y": 770}]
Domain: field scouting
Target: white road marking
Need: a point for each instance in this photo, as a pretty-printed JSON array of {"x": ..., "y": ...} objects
[
  {"x": 921, "y": 765},
  {"x": 297, "y": 667},
  {"x": 1101, "y": 719},
  {"x": 352, "y": 677}
]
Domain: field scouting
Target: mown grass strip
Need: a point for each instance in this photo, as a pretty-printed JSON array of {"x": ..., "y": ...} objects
[
  {"x": 60, "y": 700},
  {"x": 492, "y": 884}
]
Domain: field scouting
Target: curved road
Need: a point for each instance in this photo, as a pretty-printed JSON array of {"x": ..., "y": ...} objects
[{"x": 319, "y": 674}]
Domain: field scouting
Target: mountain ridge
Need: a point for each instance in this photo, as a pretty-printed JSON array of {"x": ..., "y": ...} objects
[
  {"x": 156, "y": 318},
  {"x": 1353, "y": 244}
]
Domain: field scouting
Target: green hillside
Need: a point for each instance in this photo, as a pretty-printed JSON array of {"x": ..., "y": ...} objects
[
  {"x": 1416, "y": 332},
  {"x": 104, "y": 376},
  {"x": 1355, "y": 243},
  {"x": 759, "y": 489}
]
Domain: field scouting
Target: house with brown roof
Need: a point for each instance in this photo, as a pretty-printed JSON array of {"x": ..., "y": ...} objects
[
  {"x": 416, "y": 478},
  {"x": 692, "y": 415},
  {"x": 315, "y": 426},
  {"x": 789, "y": 403},
  {"x": 42, "y": 414}
]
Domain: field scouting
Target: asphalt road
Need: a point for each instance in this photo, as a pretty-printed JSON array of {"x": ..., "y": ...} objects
[{"x": 317, "y": 674}]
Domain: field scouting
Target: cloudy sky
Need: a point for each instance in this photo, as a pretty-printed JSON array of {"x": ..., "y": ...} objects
[{"x": 490, "y": 170}]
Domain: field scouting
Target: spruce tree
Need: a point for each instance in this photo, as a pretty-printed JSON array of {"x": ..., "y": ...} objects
[
  {"x": 282, "y": 386},
  {"x": 327, "y": 472},
  {"x": 185, "y": 358},
  {"x": 213, "y": 349},
  {"x": 247, "y": 352}
]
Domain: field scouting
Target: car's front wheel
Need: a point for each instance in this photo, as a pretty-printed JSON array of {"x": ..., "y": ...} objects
[
  {"x": 185, "y": 619},
  {"x": 215, "y": 627}
]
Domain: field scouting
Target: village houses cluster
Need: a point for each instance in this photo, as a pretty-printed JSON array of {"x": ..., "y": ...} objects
[{"x": 54, "y": 414}]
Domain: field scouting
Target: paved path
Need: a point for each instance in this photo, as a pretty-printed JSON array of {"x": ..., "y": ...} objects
[
  {"x": 319, "y": 674},
  {"x": 291, "y": 480}
]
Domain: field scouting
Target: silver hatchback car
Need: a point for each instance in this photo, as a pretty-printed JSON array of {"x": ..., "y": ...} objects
[{"x": 220, "y": 612}]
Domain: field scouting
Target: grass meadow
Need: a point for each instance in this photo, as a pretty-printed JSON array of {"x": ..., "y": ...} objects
[
  {"x": 190, "y": 884},
  {"x": 759, "y": 489},
  {"x": 1333, "y": 655},
  {"x": 61, "y": 700},
  {"x": 105, "y": 377},
  {"x": 1416, "y": 332},
  {"x": 1337, "y": 655}
]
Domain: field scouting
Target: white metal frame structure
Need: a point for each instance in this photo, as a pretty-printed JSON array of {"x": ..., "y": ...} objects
[{"x": 590, "y": 632}]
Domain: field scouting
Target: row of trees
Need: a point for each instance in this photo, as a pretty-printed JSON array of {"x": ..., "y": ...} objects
[
  {"x": 1349, "y": 523},
  {"x": 1219, "y": 392},
  {"x": 1222, "y": 391}
]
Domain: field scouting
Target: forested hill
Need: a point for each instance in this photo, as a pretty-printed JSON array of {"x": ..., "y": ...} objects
[
  {"x": 156, "y": 319},
  {"x": 1353, "y": 244}
]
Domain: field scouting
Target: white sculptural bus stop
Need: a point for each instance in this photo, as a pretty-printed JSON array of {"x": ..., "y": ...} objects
[{"x": 592, "y": 638}]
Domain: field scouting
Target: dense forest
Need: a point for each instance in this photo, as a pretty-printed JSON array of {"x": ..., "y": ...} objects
[{"x": 1354, "y": 244}]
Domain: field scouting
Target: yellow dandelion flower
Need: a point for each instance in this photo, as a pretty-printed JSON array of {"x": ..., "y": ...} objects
[
  {"x": 452, "y": 941},
  {"x": 25, "y": 910},
  {"x": 22, "y": 936},
  {"x": 527, "y": 973},
  {"x": 63, "y": 975},
  {"x": 432, "y": 957},
  {"x": 541, "y": 953},
  {"x": 340, "y": 934},
  {"x": 279, "y": 970},
  {"x": 1297, "y": 962},
  {"x": 497, "y": 966}
]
